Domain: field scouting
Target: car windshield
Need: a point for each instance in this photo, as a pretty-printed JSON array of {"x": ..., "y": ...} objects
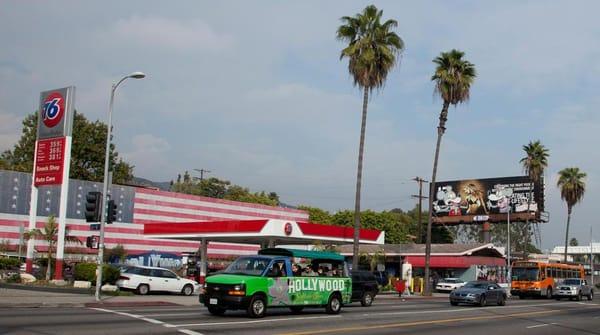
[
  {"x": 476, "y": 285},
  {"x": 572, "y": 282},
  {"x": 251, "y": 266},
  {"x": 450, "y": 280},
  {"x": 526, "y": 274}
]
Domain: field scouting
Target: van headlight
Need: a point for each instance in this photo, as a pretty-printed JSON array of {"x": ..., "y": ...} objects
[{"x": 239, "y": 290}]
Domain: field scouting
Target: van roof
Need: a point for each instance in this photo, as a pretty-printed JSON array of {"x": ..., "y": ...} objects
[{"x": 324, "y": 255}]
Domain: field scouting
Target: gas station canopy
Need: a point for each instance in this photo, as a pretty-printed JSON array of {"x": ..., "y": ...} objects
[{"x": 267, "y": 231}]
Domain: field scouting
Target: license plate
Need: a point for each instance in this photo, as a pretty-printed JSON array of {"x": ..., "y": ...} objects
[{"x": 213, "y": 301}]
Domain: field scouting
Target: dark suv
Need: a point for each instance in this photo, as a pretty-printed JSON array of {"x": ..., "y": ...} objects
[{"x": 364, "y": 287}]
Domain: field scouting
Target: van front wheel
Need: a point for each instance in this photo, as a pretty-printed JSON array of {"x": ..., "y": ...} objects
[
  {"x": 257, "y": 307},
  {"x": 334, "y": 305}
]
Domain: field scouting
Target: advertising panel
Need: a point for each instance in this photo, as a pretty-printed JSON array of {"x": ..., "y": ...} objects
[
  {"x": 49, "y": 162},
  {"x": 486, "y": 200}
]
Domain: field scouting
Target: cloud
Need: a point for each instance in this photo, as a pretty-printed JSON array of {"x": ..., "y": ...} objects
[
  {"x": 166, "y": 33},
  {"x": 10, "y": 130},
  {"x": 148, "y": 154}
]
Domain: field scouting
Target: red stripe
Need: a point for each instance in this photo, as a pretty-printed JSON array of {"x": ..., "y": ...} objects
[
  {"x": 219, "y": 201},
  {"x": 337, "y": 231},
  {"x": 212, "y": 209},
  {"x": 176, "y": 215},
  {"x": 73, "y": 226},
  {"x": 232, "y": 226}
]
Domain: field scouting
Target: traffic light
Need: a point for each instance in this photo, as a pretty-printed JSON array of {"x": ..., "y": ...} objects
[
  {"x": 93, "y": 206},
  {"x": 111, "y": 211}
]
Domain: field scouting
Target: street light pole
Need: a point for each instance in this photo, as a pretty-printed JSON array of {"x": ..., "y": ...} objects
[{"x": 135, "y": 75}]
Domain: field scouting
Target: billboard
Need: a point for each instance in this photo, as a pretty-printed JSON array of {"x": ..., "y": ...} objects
[{"x": 486, "y": 200}]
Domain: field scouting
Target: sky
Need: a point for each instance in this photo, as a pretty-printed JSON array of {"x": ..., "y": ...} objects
[{"x": 255, "y": 92}]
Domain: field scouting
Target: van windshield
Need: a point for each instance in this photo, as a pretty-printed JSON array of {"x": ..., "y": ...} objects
[{"x": 250, "y": 266}]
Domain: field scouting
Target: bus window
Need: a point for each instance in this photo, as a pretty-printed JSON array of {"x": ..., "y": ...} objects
[{"x": 525, "y": 274}]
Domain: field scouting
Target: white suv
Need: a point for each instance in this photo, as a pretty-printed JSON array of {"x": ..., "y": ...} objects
[{"x": 145, "y": 279}]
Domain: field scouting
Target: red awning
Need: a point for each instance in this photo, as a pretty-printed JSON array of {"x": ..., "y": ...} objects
[{"x": 454, "y": 261}]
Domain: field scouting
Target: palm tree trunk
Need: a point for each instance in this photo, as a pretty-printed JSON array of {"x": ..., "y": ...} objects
[
  {"x": 441, "y": 130},
  {"x": 527, "y": 228},
  {"x": 49, "y": 268},
  {"x": 359, "y": 180},
  {"x": 569, "y": 209}
]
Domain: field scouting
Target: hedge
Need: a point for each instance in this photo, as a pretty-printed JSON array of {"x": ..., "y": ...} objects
[
  {"x": 87, "y": 271},
  {"x": 9, "y": 263}
]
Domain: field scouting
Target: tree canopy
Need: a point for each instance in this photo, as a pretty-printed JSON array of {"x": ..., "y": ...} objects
[
  {"x": 87, "y": 152},
  {"x": 222, "y": 189}
]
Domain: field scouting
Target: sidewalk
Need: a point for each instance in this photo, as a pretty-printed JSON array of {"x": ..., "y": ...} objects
[{"x": 11, "y": 298}]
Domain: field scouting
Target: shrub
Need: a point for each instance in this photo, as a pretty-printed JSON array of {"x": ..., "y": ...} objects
[
  {"x": 9, "y": 263},
  {"x": 14, "y": 278},
  {"x": 110, "y": 274},
  {"x": 85, "y": 271}
]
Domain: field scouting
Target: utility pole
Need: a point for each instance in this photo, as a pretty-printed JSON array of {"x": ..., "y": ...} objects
[
  {"x": 420, "y": 197},
  {"x": 591, "y": 258},
  {"x": 202, "y": 171}
]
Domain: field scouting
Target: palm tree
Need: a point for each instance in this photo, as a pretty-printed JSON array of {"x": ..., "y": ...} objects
[
  {"x": 453, "y": 78},
  {"x": 372, "y": 51},
  {"x": 534, "y": 163},
  {"x": 572, "y": 189},
  {"x": 50, "y": 234}
]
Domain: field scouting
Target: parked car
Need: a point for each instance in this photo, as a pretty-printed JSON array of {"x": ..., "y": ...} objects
[
  {"x": 478, "y": 293},
  {"x": 449, "y": 284},
  {"x": 574, "y": 288},
  {"x": 364, "y": 287},
  {"x": 145, "y": 279}
]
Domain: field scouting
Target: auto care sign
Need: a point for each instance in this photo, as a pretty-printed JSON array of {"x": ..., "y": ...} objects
[{"x": 55, "y": 124}]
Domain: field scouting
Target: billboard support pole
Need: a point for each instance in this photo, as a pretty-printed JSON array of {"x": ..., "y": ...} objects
[{"x": 509, "y": 274}]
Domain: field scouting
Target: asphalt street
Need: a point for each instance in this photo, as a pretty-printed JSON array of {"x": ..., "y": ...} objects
[{"x": 388, "y": 315}]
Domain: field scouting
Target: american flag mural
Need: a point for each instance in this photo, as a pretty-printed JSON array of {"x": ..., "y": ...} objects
[{"x": 136, "y": 207}]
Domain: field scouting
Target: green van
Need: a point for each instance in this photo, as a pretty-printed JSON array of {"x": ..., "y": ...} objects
[{"x": 279, "y": 277}]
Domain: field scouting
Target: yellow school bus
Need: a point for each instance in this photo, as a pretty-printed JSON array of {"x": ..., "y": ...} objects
[{"x": 530, "y": 278}]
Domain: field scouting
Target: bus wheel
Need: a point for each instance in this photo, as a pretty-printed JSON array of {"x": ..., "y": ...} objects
[
  {"x": 549, "y": 293},
  {"x": 334, "y": 305},
  {"x": 257, "y": 307}
]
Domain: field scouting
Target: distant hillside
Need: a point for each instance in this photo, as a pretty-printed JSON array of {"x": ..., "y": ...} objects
[{"x": 163, "y": 186}]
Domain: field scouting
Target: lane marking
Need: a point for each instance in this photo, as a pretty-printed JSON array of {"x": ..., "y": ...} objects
[
  {"x": 456, "y": 310},
  {"x": 255, "y": 321},
  {"x": 135, "y": 316},
  {"x": 537, "y": 326},
  {"x": 189, "y": 332},
  {"x": 172, "y": 314},
  {"x": 419, "y": 323}
]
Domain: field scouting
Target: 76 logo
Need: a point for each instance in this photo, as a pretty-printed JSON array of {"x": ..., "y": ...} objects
[{"x": 52, "y": 109}]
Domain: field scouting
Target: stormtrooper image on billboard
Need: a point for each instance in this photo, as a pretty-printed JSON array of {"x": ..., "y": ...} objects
[{"x": 486, "y": 200}]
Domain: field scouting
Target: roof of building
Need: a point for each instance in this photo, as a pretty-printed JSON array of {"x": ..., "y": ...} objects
[
  {"x": 301, "y": 253},
  {"x": 411, "y": 249},
  {"x": 577, "y": 250}
]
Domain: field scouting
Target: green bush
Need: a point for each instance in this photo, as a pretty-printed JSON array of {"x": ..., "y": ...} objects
[
  {"x": 14, "y": 278},
  {"x": 85, "y": 271},
  {"x": 9, "y": 263}
]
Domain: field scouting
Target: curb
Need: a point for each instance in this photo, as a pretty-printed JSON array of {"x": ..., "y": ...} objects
[{"x": 131, "y": 304}]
